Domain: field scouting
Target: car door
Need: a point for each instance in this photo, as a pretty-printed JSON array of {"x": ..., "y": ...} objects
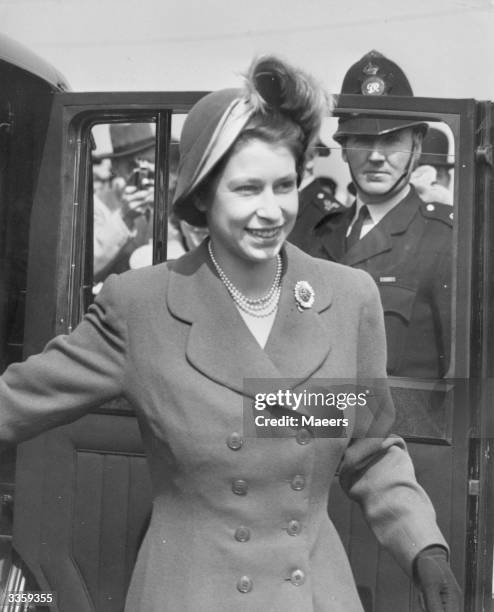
[{"x": 82, "y": 497}]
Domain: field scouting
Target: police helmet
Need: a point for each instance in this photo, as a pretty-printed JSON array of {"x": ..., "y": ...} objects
[{"x": 374, "y": 75}]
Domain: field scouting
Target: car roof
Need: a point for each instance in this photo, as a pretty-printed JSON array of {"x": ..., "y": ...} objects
[{"x": 15, "y": 53}]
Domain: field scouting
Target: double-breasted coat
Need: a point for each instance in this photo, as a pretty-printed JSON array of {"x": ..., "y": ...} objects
[
  {"x": 409, "y": 255},
  {"x": 239, "y": 522}
]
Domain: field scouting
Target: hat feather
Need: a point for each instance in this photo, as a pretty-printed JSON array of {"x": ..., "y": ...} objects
[{"x": 273, "y": 85}]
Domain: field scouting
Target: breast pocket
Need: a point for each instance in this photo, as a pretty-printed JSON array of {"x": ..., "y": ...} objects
[{"x": 398, "y": 303}]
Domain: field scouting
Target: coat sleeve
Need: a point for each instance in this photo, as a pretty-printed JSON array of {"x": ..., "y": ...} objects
[
  {"x": 376, "y": 470},
  {"x": 72, "y": 375}
]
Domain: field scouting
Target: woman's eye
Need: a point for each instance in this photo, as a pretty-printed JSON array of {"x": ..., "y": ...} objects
[
  {"x": 247, "y": 188},
  {"x": 286, "y": 186}
]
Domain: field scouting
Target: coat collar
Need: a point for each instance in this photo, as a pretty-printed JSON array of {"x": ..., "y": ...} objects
[
  {"x": 221, "y": 346},
  {"x": 378, "y": 240}
]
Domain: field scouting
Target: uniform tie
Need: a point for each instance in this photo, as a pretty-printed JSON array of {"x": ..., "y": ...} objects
[{"x": 356, "y": 230}]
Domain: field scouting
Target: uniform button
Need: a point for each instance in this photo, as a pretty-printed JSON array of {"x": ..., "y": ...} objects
[
  {"x": 297, "y": 577},
  {"x": 235, "y": 441},
  {"x": 430, "y": 207},
  {"x": 451, "y": 216},
  {"x": 294, "y": 528},
  {"x": 240, "y": 487},
  {"x": 245, "y": 584},
  {"x": 320, "y": 195},
  {"x": 303, "y": 436},
  {"x": 298, "y": 482},
  {"x": 242, "y": 534}
]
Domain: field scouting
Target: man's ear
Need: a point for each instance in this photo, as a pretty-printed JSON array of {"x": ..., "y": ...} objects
[
  {"x": 344, "y": 155},
  {"x": 418, "y": 138}
]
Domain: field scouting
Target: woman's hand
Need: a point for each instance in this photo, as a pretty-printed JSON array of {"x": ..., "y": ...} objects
[{"x": 440, "y": 591}]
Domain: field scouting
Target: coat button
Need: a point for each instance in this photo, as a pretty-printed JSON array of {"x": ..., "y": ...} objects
[
  {"x": 242, "y": 534},
  {"x": 240, "y": 487},
  {"x": 294, "y": 528},
  {"x": 298, "y": 482},
  {"x": 303, "y": 436},
  {"x": 245, "y": 584},
  {"x": 235, "y": 441},
  {"x": 297, "y": 577}
]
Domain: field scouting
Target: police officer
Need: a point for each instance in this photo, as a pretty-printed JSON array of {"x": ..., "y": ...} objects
[{"x": 403, "y": 242}]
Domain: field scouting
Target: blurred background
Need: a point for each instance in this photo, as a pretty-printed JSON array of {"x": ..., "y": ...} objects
[{"x": 445, "y": 46}]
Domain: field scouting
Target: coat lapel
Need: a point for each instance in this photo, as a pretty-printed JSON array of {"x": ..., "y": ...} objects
[
  {"x": 221, "y": 346},
  {"x": 299, "y": 342}
]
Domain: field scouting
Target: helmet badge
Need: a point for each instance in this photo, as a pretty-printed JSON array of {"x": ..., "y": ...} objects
[{"x": 373, "y": 85}]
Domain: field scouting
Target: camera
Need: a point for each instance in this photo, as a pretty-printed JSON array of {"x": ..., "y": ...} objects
[{"x": 142, "y": 177}]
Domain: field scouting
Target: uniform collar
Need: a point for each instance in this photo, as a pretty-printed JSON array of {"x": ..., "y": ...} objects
[{"x": 379, "y": 211}]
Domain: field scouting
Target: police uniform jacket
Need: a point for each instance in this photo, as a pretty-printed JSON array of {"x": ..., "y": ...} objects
[
  {"x": 238, "y": 523},
  {"x": 315, "y": 201},
  {"x": 409, "y": 255}
]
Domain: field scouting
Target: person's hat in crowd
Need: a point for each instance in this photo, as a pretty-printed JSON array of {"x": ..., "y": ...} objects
[
  {"x": 435, "y": 149},
  {"x": 128, "y": 139},
  {"x": 214, "y": 123},
  {"x": 374, "y": 75}
]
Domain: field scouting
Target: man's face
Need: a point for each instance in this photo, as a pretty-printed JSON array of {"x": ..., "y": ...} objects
[{"x": 378, "y": 162}]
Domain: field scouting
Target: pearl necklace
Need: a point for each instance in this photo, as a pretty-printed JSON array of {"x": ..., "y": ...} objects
[{"x": 258, "y": 307}]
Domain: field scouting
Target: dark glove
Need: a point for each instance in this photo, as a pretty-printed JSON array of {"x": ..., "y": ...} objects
[{"x": 440, "y": 591}]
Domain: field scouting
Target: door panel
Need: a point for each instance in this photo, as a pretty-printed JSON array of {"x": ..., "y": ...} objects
[{"x": 86, "y": 500}]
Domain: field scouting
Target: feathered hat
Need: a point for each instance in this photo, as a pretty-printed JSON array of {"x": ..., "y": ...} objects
[{"x": 271, "y": 86}]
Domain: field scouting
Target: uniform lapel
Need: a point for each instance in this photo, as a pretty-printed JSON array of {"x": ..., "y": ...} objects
[
  {"x": 373, "y": 243},
  {"x": 378, "y": 240},
  {"x": 221, "y": 346}
]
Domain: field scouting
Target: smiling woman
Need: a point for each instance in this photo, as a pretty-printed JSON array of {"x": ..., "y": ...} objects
[{"x": 240, "y": 521}]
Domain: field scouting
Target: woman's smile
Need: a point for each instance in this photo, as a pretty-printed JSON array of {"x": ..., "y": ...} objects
[{"x": 265, "y": 233}]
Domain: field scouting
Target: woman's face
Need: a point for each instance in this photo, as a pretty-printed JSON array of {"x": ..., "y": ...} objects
[{"x": 253, "y": 202}]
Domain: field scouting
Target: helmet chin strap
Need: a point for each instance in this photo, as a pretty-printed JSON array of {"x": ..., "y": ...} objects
[{"x": 403, "y": 178}]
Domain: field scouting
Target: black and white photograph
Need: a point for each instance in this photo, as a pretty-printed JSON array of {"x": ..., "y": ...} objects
[{"x": 246, "y": 285}]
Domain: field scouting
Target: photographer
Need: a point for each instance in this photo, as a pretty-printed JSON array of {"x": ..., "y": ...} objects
[{"x": 123, "y": 212}]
